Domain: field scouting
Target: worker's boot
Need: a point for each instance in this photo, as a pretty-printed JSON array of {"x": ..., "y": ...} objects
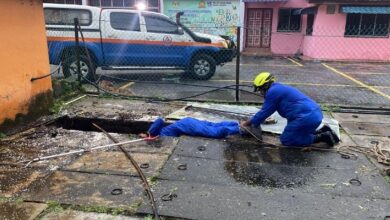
[
  {"x": 326, "y": 128},
  {"x": 326, "y": 137}
]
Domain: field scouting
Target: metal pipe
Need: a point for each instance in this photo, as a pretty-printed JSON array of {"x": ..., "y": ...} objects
[{"x": 238, "y": 64}]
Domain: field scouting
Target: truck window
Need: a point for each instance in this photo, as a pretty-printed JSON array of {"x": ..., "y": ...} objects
[
  {"x": 125, "y": 21},
  {"x": 65, "y": 16},
  {"x": 156, "y": 24}
]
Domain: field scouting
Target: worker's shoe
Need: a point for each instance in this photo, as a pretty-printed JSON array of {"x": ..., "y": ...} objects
[
  {"x": 326, "y": 137},
  {"x": 326, "y": 128}
]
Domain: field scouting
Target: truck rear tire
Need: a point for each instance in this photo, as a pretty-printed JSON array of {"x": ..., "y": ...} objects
[
  {"x": 87, "y": 68},
  {"x": 202, "y": 67}
]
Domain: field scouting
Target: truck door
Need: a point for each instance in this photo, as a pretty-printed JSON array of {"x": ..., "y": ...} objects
[
  {"x": 122, "y": 37},
  {"x": 167, "y": 44}
]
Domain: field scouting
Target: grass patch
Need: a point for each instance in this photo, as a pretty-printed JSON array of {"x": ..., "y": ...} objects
[
  {"x": 16, "y": 200},
  {"x": 53, "y": 206},
  {"x": 328, "y": 109},
  {"x": 2, "y": 135}
]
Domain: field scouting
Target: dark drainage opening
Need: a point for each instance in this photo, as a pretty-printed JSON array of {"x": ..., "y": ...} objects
[{"x": 110, "y": 125}]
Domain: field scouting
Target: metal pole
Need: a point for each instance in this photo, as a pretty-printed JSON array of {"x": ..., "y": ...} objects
[
  {"x": 76, "y": 35},
  {"x": 238, "y": 64}
]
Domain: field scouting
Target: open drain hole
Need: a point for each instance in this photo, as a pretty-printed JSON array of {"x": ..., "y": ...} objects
[
  {"x": 201, "y": 148},
  {"x": 355, "y": 182},
  {"x": 182, "y": 167},
  {"x": 116, "y": 191},
  {"x": 168, "y": 197},
  {"x": 344, "y": 156},
  {"x": 144, "y": 165},
  {"x": 110, "y": 125}
]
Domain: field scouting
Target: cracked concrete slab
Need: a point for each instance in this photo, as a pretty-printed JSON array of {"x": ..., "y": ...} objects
[
  {"x": 369, "y": 141},
  {"x": 368, "y": 118},
  {"x": 20, "y": 210},
  {"x": 369, "y": 129},
  {"x": 86, "y": 189},
  {"x": 193, "y": 200},
  {"x": 118, "y": 163},
  {"x": 79, "y": 215}
]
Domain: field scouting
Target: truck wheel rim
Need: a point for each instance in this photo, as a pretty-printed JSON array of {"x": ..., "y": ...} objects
[
  {"x": 202, "y": 67},
  {"x": 83, "y": 67}
]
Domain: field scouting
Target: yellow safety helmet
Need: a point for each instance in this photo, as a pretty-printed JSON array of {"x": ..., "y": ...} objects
[{"x": 262, "y": 79}]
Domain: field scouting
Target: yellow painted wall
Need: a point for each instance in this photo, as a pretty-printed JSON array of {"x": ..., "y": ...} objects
[{"x": 23, "y": 55}]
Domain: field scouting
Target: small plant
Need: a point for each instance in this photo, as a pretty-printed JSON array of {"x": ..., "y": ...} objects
[
  {"x": 149, "y": 217},
  {"x": 54, "y": 206}
]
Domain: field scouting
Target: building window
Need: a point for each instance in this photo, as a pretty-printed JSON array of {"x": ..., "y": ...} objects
[
  {"x": 125, "y": 21},
  {"x": 73, "y": 2},
  {"x": 367, "y": 25},
  {"x": 157, "y": 24},
  {"x": 64, "y": 16},
  {"x": 288, "y": 21},
  {"x": 152, "y": 5}
]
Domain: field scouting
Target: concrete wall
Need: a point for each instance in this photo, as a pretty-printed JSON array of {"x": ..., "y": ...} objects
[
  {"x": 328, "y": 41},
  {"x": 23, "y": 55}
]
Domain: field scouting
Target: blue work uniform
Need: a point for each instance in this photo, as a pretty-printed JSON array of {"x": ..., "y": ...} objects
[
  {"x": 194, "y": 127},
  {"x": 302, "y": 113}
]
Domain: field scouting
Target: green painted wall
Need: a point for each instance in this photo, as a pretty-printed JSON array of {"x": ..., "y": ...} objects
[{"x": 211, "y": 17}]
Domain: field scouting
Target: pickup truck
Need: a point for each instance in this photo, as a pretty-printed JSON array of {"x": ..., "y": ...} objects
[{"x": 123, "y": 39}]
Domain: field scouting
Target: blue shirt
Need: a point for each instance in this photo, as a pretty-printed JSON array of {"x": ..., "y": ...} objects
[{"x": 288, "y": 101}]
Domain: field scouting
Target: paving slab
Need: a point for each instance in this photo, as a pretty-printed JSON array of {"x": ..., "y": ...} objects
[
  {"x": 368, "y": 118},
  {"x": 20, "y": 210},
  {"x": 192, "y": 200},
  {"x": 118, "y": 163},
  {"x": 244, "y": 150},
  {"x": 86, "y": 189},
  {"x": 370, "y": 141},
  {"x": 332, "y": 181},
  {"x": 79, "y": 215},
  {"x": 363, "y": 128},
  {"x": 92, "y": 107},
  {"x": 14, "y": 180}
]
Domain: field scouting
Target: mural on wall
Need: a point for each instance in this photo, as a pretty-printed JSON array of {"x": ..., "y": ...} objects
[{"x": 206, "y": 16}]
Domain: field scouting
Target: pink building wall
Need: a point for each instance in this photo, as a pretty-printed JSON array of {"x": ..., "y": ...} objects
[
  {"x": 328, "y": 41},
  {"x": 284, "y": 43}
]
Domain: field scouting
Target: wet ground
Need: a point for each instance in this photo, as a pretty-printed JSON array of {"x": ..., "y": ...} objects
[
  {"x": 335, "y": 83},
  {"x": 191, "y": 178}
]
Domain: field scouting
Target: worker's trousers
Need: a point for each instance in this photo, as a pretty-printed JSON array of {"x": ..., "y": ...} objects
[{"x": 300, "y": 131}]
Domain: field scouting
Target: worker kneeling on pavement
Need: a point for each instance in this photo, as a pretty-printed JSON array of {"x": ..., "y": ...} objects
[
  {"x": 194, "y": 127},
  {"x": 303, "y": 114}
]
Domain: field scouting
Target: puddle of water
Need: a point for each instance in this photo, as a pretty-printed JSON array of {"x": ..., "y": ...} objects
[{"x": 276, "y": 168}]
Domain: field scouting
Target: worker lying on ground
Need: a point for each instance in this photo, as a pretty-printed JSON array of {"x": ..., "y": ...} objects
[
  {"x": 194, "y": 127},
  {"x": 303, "y": 114}
]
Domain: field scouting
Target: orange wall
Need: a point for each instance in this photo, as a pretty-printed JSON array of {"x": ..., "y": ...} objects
[{"x": 23, "y": 55}]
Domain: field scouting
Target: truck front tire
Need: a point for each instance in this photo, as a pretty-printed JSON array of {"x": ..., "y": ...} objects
[
  {"x": 70, "y": 67},
  {"x": 202, "y": 67}
]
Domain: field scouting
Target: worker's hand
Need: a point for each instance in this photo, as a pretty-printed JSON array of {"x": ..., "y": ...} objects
[
  {"x": 245, "y": 123},
  {"x": 270, "y": 121},
  {"x": 143, "y": 135}
]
